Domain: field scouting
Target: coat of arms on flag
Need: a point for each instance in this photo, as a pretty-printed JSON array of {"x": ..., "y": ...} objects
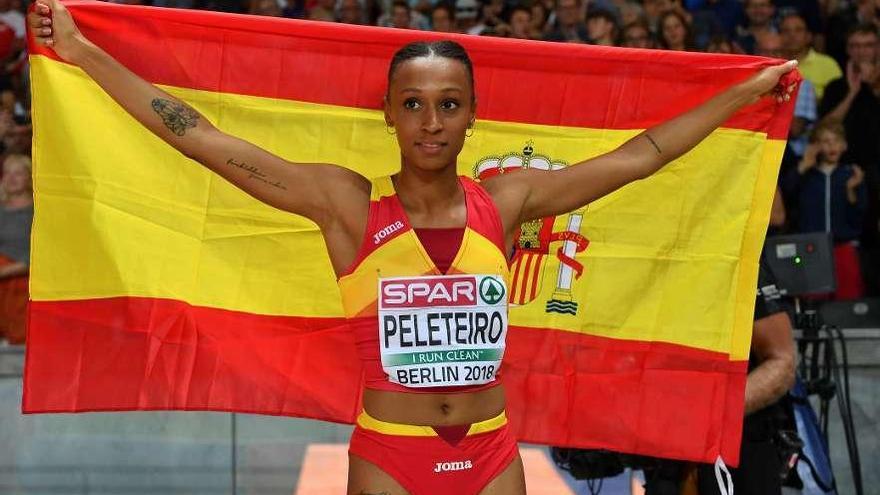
[{"x": 531, "y": 246}]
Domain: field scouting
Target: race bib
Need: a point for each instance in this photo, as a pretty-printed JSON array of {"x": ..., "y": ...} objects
[{"x": 441, "y": 331}]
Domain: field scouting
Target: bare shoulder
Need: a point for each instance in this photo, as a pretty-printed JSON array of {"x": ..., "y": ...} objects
[{"x": 345, "y": 196}]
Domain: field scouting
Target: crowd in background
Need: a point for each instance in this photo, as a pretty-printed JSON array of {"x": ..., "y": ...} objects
[{"x": 831, "y": 171}]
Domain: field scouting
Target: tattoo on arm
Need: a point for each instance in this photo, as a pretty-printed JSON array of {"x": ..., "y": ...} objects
[
  {"x": 654, "y": 143},
  {"x": 176, "y": 116},
  {"x": 256, "y": 173}
]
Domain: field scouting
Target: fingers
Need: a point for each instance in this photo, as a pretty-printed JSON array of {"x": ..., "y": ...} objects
[{"x": 41, "y": 23}]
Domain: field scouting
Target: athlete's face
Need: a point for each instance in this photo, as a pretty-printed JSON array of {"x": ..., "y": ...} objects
[{"x": 430, "y": 104}]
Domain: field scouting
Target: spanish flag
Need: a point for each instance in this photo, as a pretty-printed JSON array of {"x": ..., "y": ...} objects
[{"x": 157, "y": 285}]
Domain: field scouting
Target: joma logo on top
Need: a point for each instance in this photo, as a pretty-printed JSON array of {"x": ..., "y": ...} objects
[
  {"x": 386, "y": 231},
  {"x": 445, "y": 291}
]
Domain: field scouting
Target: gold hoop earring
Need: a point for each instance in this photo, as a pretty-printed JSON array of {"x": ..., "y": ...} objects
[
  {"x": 470, "y": 129},
  {"x": 390, "y": 130}
]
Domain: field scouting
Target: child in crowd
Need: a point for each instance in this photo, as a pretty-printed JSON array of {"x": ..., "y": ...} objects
[{"x": 831, "y": 198}]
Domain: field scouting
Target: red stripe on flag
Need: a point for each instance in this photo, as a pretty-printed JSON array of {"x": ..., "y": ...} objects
[
  {"x": 630, "y": 396},
  {"x": 516, "y": 282},
  {"x": 579, "y": 85},
  {"x": 536, "y": 272},
  {"x": 141, "y": 353}
]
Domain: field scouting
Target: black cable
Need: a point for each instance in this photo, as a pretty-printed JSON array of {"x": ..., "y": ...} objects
[
  {"x": 845, "y": 405},
  {"x": 595, "y": 486}
]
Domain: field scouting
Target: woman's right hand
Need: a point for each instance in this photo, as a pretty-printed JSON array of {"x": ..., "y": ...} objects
[{"x": 52, "y": 26}]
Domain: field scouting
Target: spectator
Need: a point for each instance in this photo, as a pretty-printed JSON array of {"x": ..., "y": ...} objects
[
  {"x": 818, "y": 68},
  {"x": 841, "y": 23},
  {"x": 726, "y": 13},
  {"x": 805, "y": 114},
  {"x": 637, "y": 35},
  {"x": 601, "y": 27},
  {"x": 10, "y": 16},
  {"x": 265, "y": 7},
  {"x": 759, "y": 21},
  {"x": 490, "y": 17},
  {"x": 16, "y": 217},
  {"x": 351, "y": 12},
  {"x": 719, "y": 44},
  {"x": 294, "y": 9},
  {"x": 654, "y": 10},
  {"x": 854, "y": 99},
  {"x": 443, "y": 18},
  {"x": 518, "y": 25},
  {"x": 831, "y": 198},
  {"x": 569, "y": 23},
  {"x": 325, "y": 10},
  {"x": 675, "y": 32},
  {"x": 466, "y": 12},
  {"x": 539, "y": 20},
  {"x": 630, "y": 12}
]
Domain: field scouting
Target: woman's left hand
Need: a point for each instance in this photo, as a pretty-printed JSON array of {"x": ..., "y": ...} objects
[{"x": 768, "y": 82}]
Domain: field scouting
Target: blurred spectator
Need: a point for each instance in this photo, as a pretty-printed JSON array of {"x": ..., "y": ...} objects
[
  {"x": 518, "y": 25},
  {"x": 654, "y": 10},
  {"x": 629, "y": 12},
  {"x": 402, "y": 16},
  {"x": 443, "y": 18},
  {"x": 570, "y": 24},
  {"x": 539, "y": 20},
  {"x": 675, "y": 32},
  {"x": 325, "y": 10},
  {"x": 294, "y": 9},
  {"x": 16, "y": 217},
  {"x": 637, "y": 35},
  {"x": 265, "y": 7},
  {"x": 490, "y": 17},
  {"x": 601, "y": 27},
  {"x": 719, "y": 44},
  {"x": 13, "y": 18},
  {"x": 759, "y": 21},
  {"x": 855, "y": 99},
  {"x": 805, "y": 111},
  {"x": 727, "y": 14},
  {"x": 466, "y": 13},
  {"x": 352, "y": 12},
  {"x": 831, "y": 198},
  {"x": 842, "y": 22},
  {"x": 818, "y": 68}
]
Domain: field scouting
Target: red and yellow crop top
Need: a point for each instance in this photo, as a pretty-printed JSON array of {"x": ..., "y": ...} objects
[{"x": 417, "y": 328}]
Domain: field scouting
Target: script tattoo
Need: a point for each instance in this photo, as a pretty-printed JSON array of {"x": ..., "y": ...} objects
[
  {"x": 176, "y": 116},
  {"x": 256, "y": 173}
]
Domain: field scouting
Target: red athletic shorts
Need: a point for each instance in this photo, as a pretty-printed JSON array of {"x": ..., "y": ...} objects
[{"x": 425, "y": 463}]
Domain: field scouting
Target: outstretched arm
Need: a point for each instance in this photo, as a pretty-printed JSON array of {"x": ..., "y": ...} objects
[
  {"x": 298, "y": 188},
  {"x": 532, "y": 194}
]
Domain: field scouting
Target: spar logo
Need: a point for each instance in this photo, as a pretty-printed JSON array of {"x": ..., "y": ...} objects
[
  {"x": 453, "y": 466},
  {"x": 491, "y": 291},
  {"x": 532, "y": 244},
  {"x": 429, "y": 291}
]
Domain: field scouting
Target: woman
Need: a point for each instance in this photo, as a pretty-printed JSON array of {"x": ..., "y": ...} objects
[
  {"x": 16, "y": 217},
  {"x": 674, "y": 32},
  {"x": 422, "y": 228}
]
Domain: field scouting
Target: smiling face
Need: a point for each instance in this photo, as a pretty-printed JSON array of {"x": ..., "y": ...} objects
[{"x": 430, "y": 104}]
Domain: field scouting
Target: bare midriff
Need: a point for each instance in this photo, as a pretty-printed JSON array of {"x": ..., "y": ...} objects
[{"x": 434, "y": 409}]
